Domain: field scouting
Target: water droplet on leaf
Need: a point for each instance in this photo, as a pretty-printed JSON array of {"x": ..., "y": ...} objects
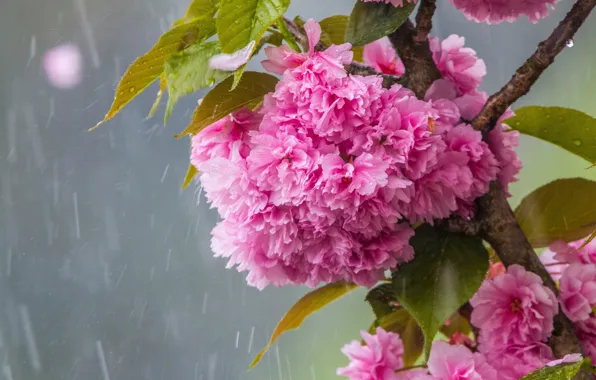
[
  {"x": 132, "y": 89},
  {"x": 577, "y": 142},
  {"x": 569, "y": 43}
]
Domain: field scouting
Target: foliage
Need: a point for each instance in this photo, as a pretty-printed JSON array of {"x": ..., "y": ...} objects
[
  {"x": 446, "y": 271},
  {"x": 570, "y": 129},
  {"x": 547, "y": 214},
  {"x": 564, "y": 371},
  {"x": 371, "y": 21},
  {"x": 313, "y": 301}
]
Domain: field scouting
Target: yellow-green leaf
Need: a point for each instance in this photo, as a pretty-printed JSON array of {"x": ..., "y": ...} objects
[
  {"x": 382, "y": 300},
  {"x": 205, "y": 9},
  {"x": 189, "y": 71},
  {"x": 564, "y": 209},
  {"x": 162, "y": 88},
  {"x": 402, "y": 323},
  {"x": 334, "y": 32},
  {"x": 273, "y": 38},
  {"x": 190, "y": 175},
  {"x": 313, "y": 301},
  {"x": 446, "y": 271},
  {"x": 241, "y": 21},
  {"x": 220, "y": 101},
  {"x": 570, "y": 129},
  {"x": 146, "y": 69},
  {"x": 564, "y": 371}
]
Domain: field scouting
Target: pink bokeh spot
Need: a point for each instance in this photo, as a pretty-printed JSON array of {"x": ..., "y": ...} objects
[{"x": 63, "y": 66}]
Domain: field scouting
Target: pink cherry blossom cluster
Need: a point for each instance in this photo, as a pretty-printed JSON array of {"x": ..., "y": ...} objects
[
  {"x": 323, "y": 182},
  {"x": 494, "y": 11},
  {"x": 574, "y": 264},
  {"x": 514, "y": 314}
]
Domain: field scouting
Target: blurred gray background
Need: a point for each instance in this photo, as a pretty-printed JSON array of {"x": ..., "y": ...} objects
[{"x": 105, "y": 265}]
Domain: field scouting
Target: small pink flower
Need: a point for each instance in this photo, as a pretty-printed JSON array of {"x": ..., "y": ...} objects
[
  {"x": 515, "y": 361},
  {"x": 457, "y": 63},
  {"x": 569, "y": 358},
  {"x": 396, "y": 3},
  {"x": 571, "y": 252},
  {"x": 381, "y": 56},
  {"x": 578, "y": 291},
  {"x": 493, "y": 12},
  {"x": 514, "y": 308},
  {"x": 458, "y": 362},
  {"x": 232, "y": 62},
  {"x": 554, "y": 267},
  {"x": 378, "y": 359},
  {"x": 63, "y": 66}
]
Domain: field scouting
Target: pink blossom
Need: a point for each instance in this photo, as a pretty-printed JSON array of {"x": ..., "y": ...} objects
[
  {"x": 586, "y": 333},
  {"x": 63, "y": 66},
  {"x": 514, "y": 308},
  {"x": 381, "y": 56},
  {"x": 554, "y": 267},
  {"x": 378, "y": 359},
  {"x": 493, "y": 12},
  {"x": 283, "y": 57},
  {"x": 571, "y": 252},
  {"x": 457, "y": 362},
  {"x": 578, "y": 291},
  {"x": 495, "y": 269},
  {"x": 413, "y": 374},
  {"x": 515, "y": 361},
  {"x": 232, "y": 62},
  {"x": 569, "y": 358},
  {"x": 396, "y": 3},
  {"x": 457, "y": 63}
]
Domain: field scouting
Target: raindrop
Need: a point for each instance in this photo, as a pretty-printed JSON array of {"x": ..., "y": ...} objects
[
  {"x": 577, "y": 142},
  {"x": 102, "y": 361},
  {"x": 132, "y": 89},
  {"x": 569, "y": 43},
  {"x": 30, "y": 339}
]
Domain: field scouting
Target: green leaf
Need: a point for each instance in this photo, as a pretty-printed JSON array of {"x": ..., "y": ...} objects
[
  {"x": 273, "y": 38},
  {"x": 241, "y": 21},
  {"x": 382, "y": 299},
  {"x": 287, "y": 35},
  {"x": 570, "y": 129},
  {"x": 371, "y": 21},
  {"x": 146, "y": 69},
  {"x": 561, "y": 210},
  {"x": 565, "y": 371},
  {"x": 333, "y": 31},
  {"x": 313, "y": 301},
  {"x": 220, "y": 101},
  {"x": 402, "y": 323},
  {"x": 189, "y": 71},
  {"x": 446, "y": 271},
  {"x": 205, "y": 9},
  {"x": 190, "y": 175}
]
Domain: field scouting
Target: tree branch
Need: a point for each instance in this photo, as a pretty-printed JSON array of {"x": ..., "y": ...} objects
[
  {"x": 527, "y": 74},
  {"x": 421, "y": 70},
  {"x": 424, "y": 19},
  {"x": 354, "y": 68}
]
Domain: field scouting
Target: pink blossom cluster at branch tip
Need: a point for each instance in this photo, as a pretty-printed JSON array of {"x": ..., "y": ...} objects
[
  {"x": 514, "y": 313},
  {"x": 378, "y": 359},
  {"x": 323, "y": 182},
  {"x": 495, "y": 12},
  {"x": 396, "y": 3}
]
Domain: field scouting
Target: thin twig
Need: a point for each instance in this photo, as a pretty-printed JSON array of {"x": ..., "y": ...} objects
[
  {"x": 530, "y": 71},
  {"x": 424, "y": 19}
]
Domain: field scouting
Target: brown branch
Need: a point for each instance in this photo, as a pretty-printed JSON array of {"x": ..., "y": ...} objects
[
  {"x": 354, "y": 68},
  {"x": 421, "y": 70},
  {"x": 527, "y": 74},
  {"x": 424, "y": 19},
  {"x": 502, "y": 231}
]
